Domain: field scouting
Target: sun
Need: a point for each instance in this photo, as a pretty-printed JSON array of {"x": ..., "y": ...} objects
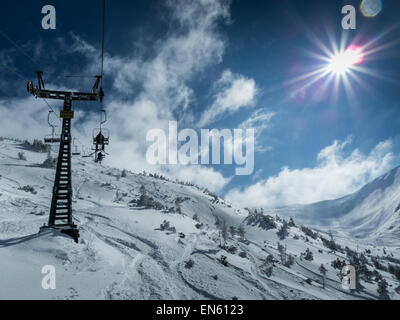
[
  {"x": 343, "y": 62},
  {"x": 338, "y": 65}
]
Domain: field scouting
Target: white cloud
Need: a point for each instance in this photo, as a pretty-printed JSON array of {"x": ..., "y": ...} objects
[
  {"x": 148, "y": 88},
  {"x": 23, "y": 118},
  {"x": 148, "y": 92},
  {"x": 259, "y": 120},
  {"x": 233, "y": 92},
  {"x": 337, "y": 174},
  {"x": 203, "y": 176}
]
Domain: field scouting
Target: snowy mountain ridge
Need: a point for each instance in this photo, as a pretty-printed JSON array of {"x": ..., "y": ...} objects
[
  {"x": 371, "y": 214},
  {"x": 144, "y": 237}
]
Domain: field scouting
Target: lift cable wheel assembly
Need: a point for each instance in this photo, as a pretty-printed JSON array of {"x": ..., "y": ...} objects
[{"x": 61, "y": 204}]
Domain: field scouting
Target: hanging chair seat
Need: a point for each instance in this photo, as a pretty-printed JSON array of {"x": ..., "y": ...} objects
[{"x": 52, "y": 140}]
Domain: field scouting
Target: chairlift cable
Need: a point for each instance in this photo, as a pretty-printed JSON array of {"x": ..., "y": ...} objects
[
  {"x": 70, "y": 76},
  {"x": 102, "y": 43},
  {"x": 37, "y": 62},
  {"x": 100, "y": 141},
  {"x": 14, "y": 72},
  {"x": 18, "y": 48},
  {"x": 48, "y": 104},
  {"x": 23, "y": 78}
]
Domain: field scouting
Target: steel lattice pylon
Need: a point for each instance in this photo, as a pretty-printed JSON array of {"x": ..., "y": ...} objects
[{"x": 61, "y": 203}]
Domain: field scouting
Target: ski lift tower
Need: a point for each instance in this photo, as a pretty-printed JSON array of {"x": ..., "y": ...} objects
[{"x": 61, "y": 203}]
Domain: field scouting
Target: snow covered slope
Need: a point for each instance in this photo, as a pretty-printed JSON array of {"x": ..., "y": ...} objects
[
  {"x": 371, "y": 214},
  {"x": 128, "y": 251}
]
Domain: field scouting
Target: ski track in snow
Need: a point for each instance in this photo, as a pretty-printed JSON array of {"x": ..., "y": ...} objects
[{"x": 123, "y": 254}]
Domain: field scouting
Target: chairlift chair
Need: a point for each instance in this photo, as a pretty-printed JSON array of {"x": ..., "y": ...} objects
[
  {"x": 101, "y": 138},
  {"x": 51, "y": 138},
  {"x": 99, "y": 157},
  {"x": 75, "y": 151},
  {"x": 84, "y": 152}
]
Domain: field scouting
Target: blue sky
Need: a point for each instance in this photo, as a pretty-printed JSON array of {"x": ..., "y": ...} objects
[{"x": 165, "y": 61}]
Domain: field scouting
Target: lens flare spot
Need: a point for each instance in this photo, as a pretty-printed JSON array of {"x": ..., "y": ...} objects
[
  {"x": 371, "y": 8},
  {"x": 342, "y": 62}
]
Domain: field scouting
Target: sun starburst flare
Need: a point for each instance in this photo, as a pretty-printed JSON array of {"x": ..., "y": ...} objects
[
  {"x": 344, "y": 61},
  {"x": 340, "y": 66}
]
